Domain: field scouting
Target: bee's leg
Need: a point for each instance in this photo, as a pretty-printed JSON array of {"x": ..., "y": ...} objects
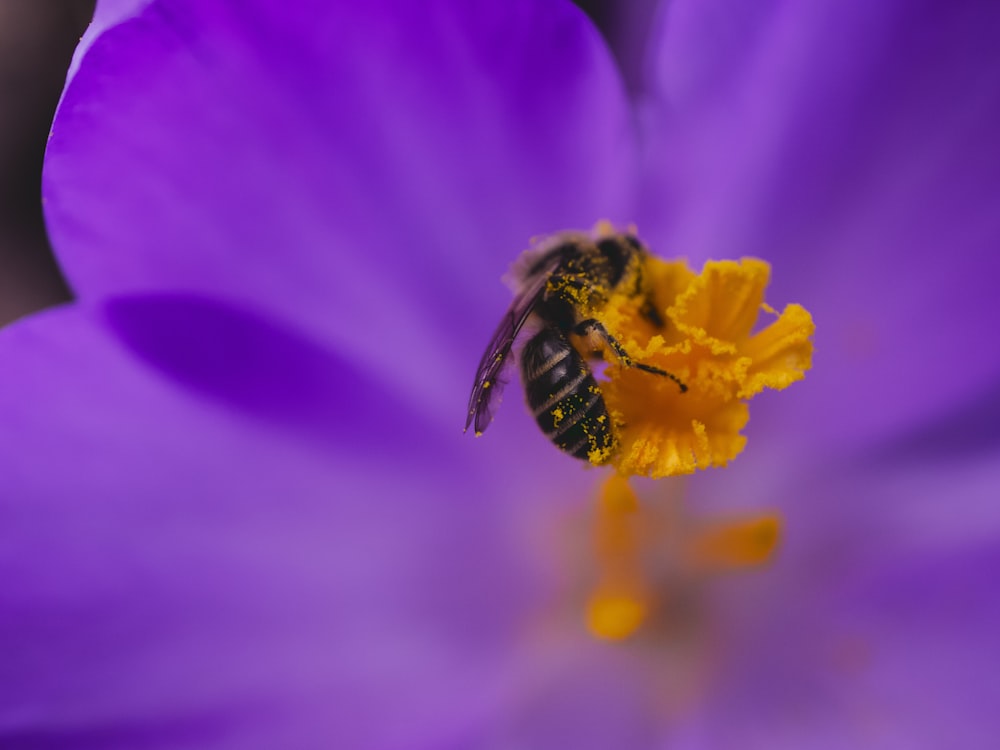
[{"x": 590, "y": 327}]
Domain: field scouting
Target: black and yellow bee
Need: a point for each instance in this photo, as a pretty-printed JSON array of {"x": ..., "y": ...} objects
[{"x": 554, "y": 284}]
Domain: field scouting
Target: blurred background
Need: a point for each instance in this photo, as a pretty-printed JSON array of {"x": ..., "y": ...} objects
[{"x": 37, "y": 38}]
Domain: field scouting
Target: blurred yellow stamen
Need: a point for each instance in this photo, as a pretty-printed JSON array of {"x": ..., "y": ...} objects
[
  {"x": 617, "y": 498},
  {"x": 614, "y": 616},
  {"x": 709, "y": 344},
  {"x": 641, "y": 555},
  {"x": 736, "y": 544},
  {"x": 616, "y": 609}
]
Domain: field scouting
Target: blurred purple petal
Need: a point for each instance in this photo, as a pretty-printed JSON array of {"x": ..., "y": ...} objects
[
  {"x": 351, "y": 175},
  {"x": 573, "y": 692},
  {"x": 900, "y": 656},
  {"x": 853, "y": 145},
  {"x": 169, "y": 563},
  {"x": 701, "y": 48}
]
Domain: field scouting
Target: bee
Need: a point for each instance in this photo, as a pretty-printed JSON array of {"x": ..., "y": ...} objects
[{"x": 554, "y": 284}]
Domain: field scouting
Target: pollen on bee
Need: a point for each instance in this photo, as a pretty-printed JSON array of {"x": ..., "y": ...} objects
[{"x": 599, "y": 456}]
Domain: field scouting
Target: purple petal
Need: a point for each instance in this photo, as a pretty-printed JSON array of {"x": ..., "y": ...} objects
[
  {"x": 574, "y": 692},
  {"x": 854, "y": 146},
  {"x": 876, "y": 625},
  {"x": 177, "y": 569},
  {"x": 700, "y": 48},
  {"x": 367, "y": 171},
  {"x": 902, "y": 656},
  {"x": 930, "y": 673}
]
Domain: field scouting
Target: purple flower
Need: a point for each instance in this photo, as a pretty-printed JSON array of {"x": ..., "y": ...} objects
[{"x": 238, "y": 510}]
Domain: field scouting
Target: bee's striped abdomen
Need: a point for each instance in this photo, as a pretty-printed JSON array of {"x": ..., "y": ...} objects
[{"x": 564, "y": 396}]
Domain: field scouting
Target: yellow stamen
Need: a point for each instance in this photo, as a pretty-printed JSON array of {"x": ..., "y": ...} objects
[
  {"x": 617, "y": 498},
  {"x": 736, "y": 544},
  {"x": 616, "y": 534},
  {"x": 647, "y": 557},
  {"x": 616, "y": 609},
  {"x": 709, "y": 344}
]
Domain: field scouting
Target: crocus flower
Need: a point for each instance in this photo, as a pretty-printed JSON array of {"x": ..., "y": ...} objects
[{"x": 238, "y": 510}]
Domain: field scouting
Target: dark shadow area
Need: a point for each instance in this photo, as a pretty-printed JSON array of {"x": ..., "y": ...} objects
[
  {"x": 255, "y": 366},
  {"x": 159, "y": 733},
  {"x": 626, "y": 26},
  {"x": 37, "y": 39}
]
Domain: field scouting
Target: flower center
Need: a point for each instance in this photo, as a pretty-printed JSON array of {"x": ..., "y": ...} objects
[
  {"x": 648, "y": 557},
  {"x": 700, "y": 328}
]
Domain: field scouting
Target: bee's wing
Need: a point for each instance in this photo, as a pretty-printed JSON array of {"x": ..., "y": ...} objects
[{"x": 486, "y": 389}]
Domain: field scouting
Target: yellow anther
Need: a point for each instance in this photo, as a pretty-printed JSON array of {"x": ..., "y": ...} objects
[
  {"x": 613, "y": 616},
  {"x": 736, "y": 544}
]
